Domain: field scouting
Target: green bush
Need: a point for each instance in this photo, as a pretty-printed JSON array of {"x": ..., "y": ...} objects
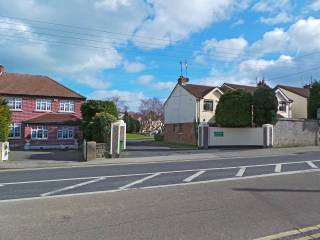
[
  {"x": 99, "y": 128},
  {"x": 5, "y": 120},
  {"x": 314, "y": 100},
  {"x": 133, "y": 125},
  {"x": 234, "y": 109},
  {"x": 159, "y": 137},
  {"x": 265, "y": 106},
  {"x": 89, "y": 111}
]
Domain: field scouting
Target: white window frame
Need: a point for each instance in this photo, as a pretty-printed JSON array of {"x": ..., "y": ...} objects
[
  {"x": 43, "y": 105},
  {"x": 69, "y": 133},
  {"x": 37, "y": 130},
  {"x": 13, "y": 126},
  {"x": 281, "y": 104},
  {"x": 204, "y": 103},
  {"x": 66, "y": 106},
  {"x": 14, "y": 103}
]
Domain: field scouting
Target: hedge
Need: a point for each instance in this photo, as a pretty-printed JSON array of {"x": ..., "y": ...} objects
[
  {"x": 314, "y": 100},
  {"x": 5, "y": 120},
  {"x": 234, "y": 109}
]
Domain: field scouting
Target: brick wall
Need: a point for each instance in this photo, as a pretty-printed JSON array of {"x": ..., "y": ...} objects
[
  {"x": 182, "y": 133},
  {"x": 29, "y": 108}
]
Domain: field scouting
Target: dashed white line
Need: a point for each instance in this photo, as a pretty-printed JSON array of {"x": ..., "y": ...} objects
[
  {"x": 139, "y": 181},
  {"x": 277, "y": 168},
  {"x": 71, "y": 187},
  {"x": 193, "y": 176},
  {"x": 241, "y": 172},
  {"x": 311, "y": 164}
]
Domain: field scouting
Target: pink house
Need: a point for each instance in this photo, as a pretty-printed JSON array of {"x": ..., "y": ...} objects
[{"x": 45, "y": 114}]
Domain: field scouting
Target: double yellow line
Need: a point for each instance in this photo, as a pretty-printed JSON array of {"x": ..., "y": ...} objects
[{"x": 296, "y": 231}]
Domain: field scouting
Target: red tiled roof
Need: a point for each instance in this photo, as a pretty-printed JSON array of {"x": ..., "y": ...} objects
[
  {"x": 303, "y": 92},
  {"x": 248, "y": 89},
  {"x": 33, "y": 85},
  {"x": 198, "y": 91},
  {"x": 55, "y": 118}
]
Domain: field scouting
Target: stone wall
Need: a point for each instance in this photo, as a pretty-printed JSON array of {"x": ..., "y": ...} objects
[
  {"x": 182, "y": 133},
  {"x": 101, "y": 150},
  {"x": 296, "y": 132}
]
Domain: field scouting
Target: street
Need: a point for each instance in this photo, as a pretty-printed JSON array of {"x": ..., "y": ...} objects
[{"x": 239, "y": 198}]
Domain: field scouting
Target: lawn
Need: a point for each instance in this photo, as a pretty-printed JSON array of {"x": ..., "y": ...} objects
[{"x": 137, "y": 136}]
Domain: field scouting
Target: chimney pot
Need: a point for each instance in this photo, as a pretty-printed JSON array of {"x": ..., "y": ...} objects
[
  {"x": 307, "y": 86},
  {"x": 182, "y": 80},
  {"x": 1, "y": 69}
]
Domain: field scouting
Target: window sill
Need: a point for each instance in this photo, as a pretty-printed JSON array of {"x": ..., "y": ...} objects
[
  {"x": 39, "y": 139},
  {"x": 66, "y": 111},
  {"x": 16, "y": 110},
  {"x": 14, "y": 138},
  {"x": 61, "y": 139},
  {"x": 42, "y": 111}
]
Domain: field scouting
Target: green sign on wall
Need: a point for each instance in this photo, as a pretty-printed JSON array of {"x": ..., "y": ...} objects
[{"x": 218, "y": 134}]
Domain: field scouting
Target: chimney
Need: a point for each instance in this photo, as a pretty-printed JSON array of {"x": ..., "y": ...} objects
[
  {"x": 1, "y": 69},
  {"x": 307, "y": 86},
  {"x": 182, "y": 80}
]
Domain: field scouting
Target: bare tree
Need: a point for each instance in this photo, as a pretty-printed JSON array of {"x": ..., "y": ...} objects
[
  {"x": 152, "y": 109},
  {"x": 119, "y": 103}
]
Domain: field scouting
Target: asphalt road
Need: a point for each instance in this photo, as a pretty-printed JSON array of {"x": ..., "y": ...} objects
[
  {"x": 78, "y": 180},
  {"x": 241, "y": 210}
]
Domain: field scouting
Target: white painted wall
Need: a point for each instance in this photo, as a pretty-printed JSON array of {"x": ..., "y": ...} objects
[
  {"x": 299, "y": 104},
  {"x": 180, "y": 107},
  {"x": 236, "y": 137},
  {"x": 282, "y": 98},
  {"x": 208, "y": 116}
]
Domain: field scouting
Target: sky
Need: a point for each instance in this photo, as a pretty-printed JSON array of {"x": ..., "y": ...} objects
[{"x": 132, "y": 49}]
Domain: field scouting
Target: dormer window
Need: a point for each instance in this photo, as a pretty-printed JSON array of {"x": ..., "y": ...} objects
[
  {"x": 14, "y": 103},
  {"x": 283, "y": 107},
  {"x": 208, "y": 106},
  {"x": 66, "y": 106},
  {"x": 43, "y": 105}
]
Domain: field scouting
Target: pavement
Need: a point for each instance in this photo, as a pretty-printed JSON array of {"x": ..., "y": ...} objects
[
  {"x": 275, "y": 207},
  {"x": 63, "y": 159}
]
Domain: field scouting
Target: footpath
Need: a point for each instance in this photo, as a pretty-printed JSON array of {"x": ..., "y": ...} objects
[{"x": 211, "y": 154}]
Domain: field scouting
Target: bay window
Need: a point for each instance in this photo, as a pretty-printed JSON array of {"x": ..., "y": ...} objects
[
  {"x": 39, "y": 132},
  {"x": 15, "y": 130},
  {"x": 65, "y": 133}
]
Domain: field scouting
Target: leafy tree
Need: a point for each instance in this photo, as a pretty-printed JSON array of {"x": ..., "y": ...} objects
[
  {"x": 314, "y": 100},
  {"x": 234, "y": 109},
  {"x": 265, "y": 106},
  {"x": 133, "y": 125},
  {"x": 89, "y": 111},
  {"x": 99, "y": 128},
  {"x": 5, "y": 120}
]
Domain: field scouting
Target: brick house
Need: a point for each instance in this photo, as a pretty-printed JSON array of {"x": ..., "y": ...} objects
[
  {"x": 186, "y": 107},
  {"x": 45, "y": 114}
]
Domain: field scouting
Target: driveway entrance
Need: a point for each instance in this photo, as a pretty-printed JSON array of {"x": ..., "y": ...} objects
[{"x": 45, "y": 155}]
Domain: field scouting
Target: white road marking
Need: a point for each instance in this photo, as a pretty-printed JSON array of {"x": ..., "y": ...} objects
[
  {"x": 277, "y": 168},
  {"x": 72, "y": 187},
  {"x": 161, "y": 186},
  {"x": 139, "y": 181},
  {"x": 193, "y": 176},
  {"x": 149, "y": 173},
  {"x": 241, "y": 172},
  {"x": 311, "y": 164}
]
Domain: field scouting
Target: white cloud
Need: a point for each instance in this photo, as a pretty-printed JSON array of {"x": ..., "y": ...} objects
[
  {"x": 149, "y": 81},
  {"x": 238, "y": 23},
  {"x": 225, "y": 50},
  {"x": 176, "y": 20},
  {"x": 282, "y": 17},
  {"x": 271, "y": 5},
  {"x": 315, "y": 5},
  {"x": 129, "y": 98},
  {"x": 145, "y": 79},
  {"x": 134, "y": 67},
  {"x": 111, "y": 4},
  {"x": 163, "y": 85}
]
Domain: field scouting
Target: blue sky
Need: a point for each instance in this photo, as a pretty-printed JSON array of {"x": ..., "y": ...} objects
[{"x": 132, "y": 48}]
